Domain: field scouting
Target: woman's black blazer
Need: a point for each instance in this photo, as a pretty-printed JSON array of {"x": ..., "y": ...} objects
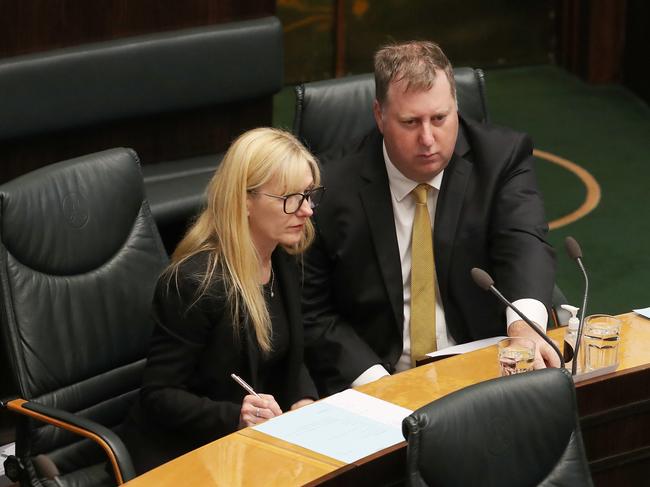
[{"x": 187, "y": 397}]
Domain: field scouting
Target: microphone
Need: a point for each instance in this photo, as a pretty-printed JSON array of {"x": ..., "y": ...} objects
[
  {"x": 484, "y": 281},
  {"x": 575, "y": 253}
]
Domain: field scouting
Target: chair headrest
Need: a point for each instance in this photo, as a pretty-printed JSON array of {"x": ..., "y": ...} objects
[
  {"x": 333, "y": 113},
  {"x": 526, "y": 420},
  {"x": 78, "y": 190}
]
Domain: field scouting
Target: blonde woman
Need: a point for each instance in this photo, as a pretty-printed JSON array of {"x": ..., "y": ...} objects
[{"x": 230, "y": 303}]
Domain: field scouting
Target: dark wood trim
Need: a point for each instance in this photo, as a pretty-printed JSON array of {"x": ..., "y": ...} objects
[
  {"x": 592, "y": 38},
  {"x": 636, "y": 69},
  {"x": 616, "y": 461},
  {"x": 38, "y": 25},
  {"x": 615, "y": 414},
  {"x": 383, "y": 468},
  {"x": 339, "y": 38},
  {"x": 606, "y": 41},
  {"x": 332, "y": 478}
]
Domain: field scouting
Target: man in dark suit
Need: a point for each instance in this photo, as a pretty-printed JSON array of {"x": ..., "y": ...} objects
[{"x": 485, "y": 211}]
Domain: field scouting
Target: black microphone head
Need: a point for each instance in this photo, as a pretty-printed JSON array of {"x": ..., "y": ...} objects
[
  {"x": 573, "y": 248},
  {"x": 482, "y": 278}
]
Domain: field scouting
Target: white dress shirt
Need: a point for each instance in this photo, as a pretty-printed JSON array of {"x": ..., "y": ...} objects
[{"x": 404, "y": 214}]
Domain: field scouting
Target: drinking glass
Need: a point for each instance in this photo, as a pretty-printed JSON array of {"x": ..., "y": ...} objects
[
  {"x": 516, "y": 355},
  {"x": 600, "y": 341}
]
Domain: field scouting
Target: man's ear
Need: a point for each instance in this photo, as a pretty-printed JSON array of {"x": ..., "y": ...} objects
[{"x": 376, "y": 111}]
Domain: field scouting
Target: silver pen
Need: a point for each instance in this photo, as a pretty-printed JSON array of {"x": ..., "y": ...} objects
[{"x": 244, "y": 384}]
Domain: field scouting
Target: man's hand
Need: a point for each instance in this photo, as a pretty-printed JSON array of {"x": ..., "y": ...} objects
[{"x": 545, "y": 356}]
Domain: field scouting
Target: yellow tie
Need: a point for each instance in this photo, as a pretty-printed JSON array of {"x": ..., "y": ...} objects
[{"x": 423, "y": 289}]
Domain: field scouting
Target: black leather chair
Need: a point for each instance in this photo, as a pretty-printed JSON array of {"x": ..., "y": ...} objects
[
  {"x": 79, "y": 258},
  {"x": 333, "y": 115},
  {"x": 520, "y": 430}
]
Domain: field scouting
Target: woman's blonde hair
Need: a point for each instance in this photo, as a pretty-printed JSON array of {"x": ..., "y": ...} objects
[{"x": 222, "y": 229}]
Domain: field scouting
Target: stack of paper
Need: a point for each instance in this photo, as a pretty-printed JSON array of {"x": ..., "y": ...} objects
[{"x": 346, "y": 426}]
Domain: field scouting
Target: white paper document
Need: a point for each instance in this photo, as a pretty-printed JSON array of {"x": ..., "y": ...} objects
[
  {"x": 346, "y": 426},
  {"x": 466, "y": 347},
  {"x": 643, "y": 312}
]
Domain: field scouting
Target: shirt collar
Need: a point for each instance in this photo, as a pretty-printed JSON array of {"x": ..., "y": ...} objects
[{"x": 400, "y": 185}]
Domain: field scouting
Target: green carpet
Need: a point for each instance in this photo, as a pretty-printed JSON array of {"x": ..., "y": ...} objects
[
  {"x": 606, "y": 130},
  {"x": 603, "y": 129}
]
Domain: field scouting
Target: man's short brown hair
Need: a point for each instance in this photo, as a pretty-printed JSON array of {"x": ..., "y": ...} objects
[{"x": 413, "y": 61}]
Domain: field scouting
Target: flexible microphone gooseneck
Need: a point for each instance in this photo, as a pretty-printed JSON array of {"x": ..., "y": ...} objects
[
  {"x": 484, "y": 281},
  {"x": 575, "y": 253}
]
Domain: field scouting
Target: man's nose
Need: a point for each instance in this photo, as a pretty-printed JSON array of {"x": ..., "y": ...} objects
[{"x": 426, "y": 135}]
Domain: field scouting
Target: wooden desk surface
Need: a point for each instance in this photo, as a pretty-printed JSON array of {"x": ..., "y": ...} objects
[
  {"x": 252, "y": 458},
  {"x": 416, "y": 387},
  {"x": 238, "y": 459}
]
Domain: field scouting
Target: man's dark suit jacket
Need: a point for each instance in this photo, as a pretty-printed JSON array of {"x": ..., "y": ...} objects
[
  {"x": 489, "y": 214},
  {"x": 188, "y": 397}
]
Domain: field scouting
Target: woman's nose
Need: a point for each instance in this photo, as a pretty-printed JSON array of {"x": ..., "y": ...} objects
[{"x": 305, "y": 208}]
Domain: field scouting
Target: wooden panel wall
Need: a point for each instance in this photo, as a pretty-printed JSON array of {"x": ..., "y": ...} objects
[
  {"x": 328, "y": 38},
  {"x": 38, "y": 25},
  {"x": 592, "y": 38}
]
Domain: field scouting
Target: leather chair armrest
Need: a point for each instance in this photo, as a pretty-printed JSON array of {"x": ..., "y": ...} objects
[{"x": 104, "y": 437}]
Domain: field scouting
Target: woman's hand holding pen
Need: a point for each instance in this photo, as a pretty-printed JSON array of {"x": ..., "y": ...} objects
[
  {"x": 255, "y": 408},
  {"x": 258, "y": 408}
]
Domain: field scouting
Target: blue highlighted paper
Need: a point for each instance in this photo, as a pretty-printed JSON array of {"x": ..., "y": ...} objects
[{"x": 333, "y": 431}]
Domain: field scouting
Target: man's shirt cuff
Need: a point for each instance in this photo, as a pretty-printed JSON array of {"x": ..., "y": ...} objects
[
  {"x": 372, "y": 374},
  {"x": 532, "y": 308}
]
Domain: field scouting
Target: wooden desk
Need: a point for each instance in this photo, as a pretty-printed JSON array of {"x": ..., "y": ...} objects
[
  {"x": 614, "y": 411},
  {"x": 241, "y": 460}
]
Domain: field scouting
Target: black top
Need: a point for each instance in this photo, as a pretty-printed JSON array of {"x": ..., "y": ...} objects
[
  {"x": 271, "y": 366},
  {"x": 188, "y": 397}
]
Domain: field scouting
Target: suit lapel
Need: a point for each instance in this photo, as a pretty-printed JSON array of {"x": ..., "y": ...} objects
[
  {"x": 449, "y": 206},
  {"x": 377, "y": 205}
]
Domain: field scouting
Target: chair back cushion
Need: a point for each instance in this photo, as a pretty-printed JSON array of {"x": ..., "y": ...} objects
[
  {"x": 332, "y": 113},
  {"x": 79, "y": 258},
  {"x": 516, "y": 430},
  {"x": 138, "y": 76}
]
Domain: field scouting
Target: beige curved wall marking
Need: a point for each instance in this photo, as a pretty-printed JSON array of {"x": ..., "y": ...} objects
[{"x": 593, "y": 188}]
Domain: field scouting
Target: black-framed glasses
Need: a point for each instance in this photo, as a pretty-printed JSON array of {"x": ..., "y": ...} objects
[{"x": 293, "y": 201}]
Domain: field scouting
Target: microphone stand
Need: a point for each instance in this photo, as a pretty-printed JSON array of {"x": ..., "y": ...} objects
[
  {"x": 484, "y": 281},
  {"x": 574, "y": 251}
]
